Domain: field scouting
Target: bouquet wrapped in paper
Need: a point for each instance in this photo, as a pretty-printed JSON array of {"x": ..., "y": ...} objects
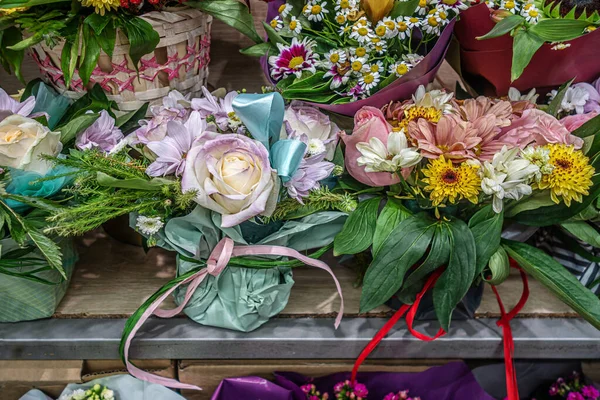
[
  {"x": 345, "y": 54},
  {"x": 507, "y": 44}
]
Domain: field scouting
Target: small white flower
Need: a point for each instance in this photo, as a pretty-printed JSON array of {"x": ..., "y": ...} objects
[
  {"x": 490, "y": 3},
  {"x": 423, "y": 8},
  {"x": 539, "y": 157},
  {"x": 412, "y": 59},
  {"x": 515, "y": 95},
  {"x": 377, "y": 66},
  {"x": 107, "y": 394},
  {"x": 400, "y": 68},
  {"x": 432, "y": 24},
  {"x": 510, "y": 5},
  {"x": 316, "y": 12},
  {"x": 590, "y": 29},
  {"x": 531, "y": 13},
  {"x": 574, "y": 100},
  {"x": 295, "y": 25},
  {"x": 381, "y": 30},
  {"x": 438, "y": 99},
  {"x": 285, "y": 9},
  {"x": 315, "y": 147},
  {"x": 377, "y": 158},
  {"x": 560, "y": 46},
  {"x": 335, "y": 57},
  {"x": 378, "y": 45},
  {"x": 345, "y": 7},
  {"x": 369, "y": 80},
  {"x": 149, "y": 226},
  {"x": 340, "y": 18},
  {"x": 276, "y": 23},
  {"x": 412, "y": 22},
  {"x": 362, "y": 33},
  {"x": 357, "y": 65},
  {"x": 344, "y": 30},
  {"x": 404, "y": 29},
  {"x": 392, "y": 28}
]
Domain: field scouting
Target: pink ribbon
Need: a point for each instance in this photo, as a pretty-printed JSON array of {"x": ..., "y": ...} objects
[{"x": 215, "y": 264}]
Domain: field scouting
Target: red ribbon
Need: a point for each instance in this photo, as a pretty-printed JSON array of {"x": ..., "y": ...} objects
[{"x": 411, "y": 311}]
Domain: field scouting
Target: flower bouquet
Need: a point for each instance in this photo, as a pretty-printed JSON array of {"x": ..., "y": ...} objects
[
  {"x": 136, "y": 50},
  {"x": 573, "y": 387},
  {"x": 344, "y": 54},
  {"x": 452, "y": 381},
  {"x": 237, "y": 185},
  {"x": 511, "y": 43}
]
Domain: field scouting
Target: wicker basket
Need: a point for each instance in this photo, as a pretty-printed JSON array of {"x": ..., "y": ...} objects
[{"x": 179, "y": 62}]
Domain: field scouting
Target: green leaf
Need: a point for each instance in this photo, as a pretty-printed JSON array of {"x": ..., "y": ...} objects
[
  {"x": 555, "y": 104},
  {"x": 71, "y": 129},
  {"x": 559, "y": 30},
  {"x": 108, "y": 38},
  {"x": 573, "y": 245},
  {"x": 499, "y": 267},
  {"x": 406, "y": 244},
  {"x": 154, "y": 184},
  {"x": 503, "y": 27},
  {"x": 258, "y": 50},
  {"x": 142, "y": 37},
  {"x": 274, "y": 37},
  {"x": 307, "y": 82},
  {"x": 392, "y": 214},
  {"x": 131, "y": 120},
  {"x": 11, "y": 36},
  {"x": 538, "y": 199},
  {"x": 591, "y": 127},
  {"x": 486, "y": 227},
  {"x": 232, "y": 12},
  {"x": 98, "y": 22},
  {"x": 583, "y": 231},
  {"x": 404, "y": 8},
  {"x": 456, "y": 280},
  {"x": 93, "y": 100},
  {"x": 49, "y": 249},
  {"x": 27, "y": 42},
  {"x": 69, "y": 56},
  {"x": 525, "y": 45},
  {"x": 90, "y": 54},
  {"x": 28, "y": 3},
  {"x": 357, "y": 233},
  {"x": 556, "y": 278}
]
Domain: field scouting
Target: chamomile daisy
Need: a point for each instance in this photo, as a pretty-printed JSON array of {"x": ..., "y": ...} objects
[
  {"x": 335, "y": 57},
  {"x": 369, "y": 81},
  {"x": 531, "y": 13},
  {"x": 377, "y": 66},
  {"x": 431, "y": 25},
  {"x": 340, "y": 18},
  {"x": 360, "y": 51},
  {"x": 357, "y": 65},
  {"x": 423, "y": 8},
  {"x": 345, "y": 6},
  {"x": 400, "y": 68},
  {"x": 316, "y": 12},
  {"x": 510, "y": 5},
  {"x": 378, "y": 45},
  {"x": 404, "y": 30},
  {"x": 276, "y": 23},
  {"x": 392, "y": 29},
  {"x": 362, "y": 33},
  {"x": 295, "y": 25},
  {"x": 344, "y": 30},
  {"x": 285, "y": 9},
  {"x": 381, "y": 30}
]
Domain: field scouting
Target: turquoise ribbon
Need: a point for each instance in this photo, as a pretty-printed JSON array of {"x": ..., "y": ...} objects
[
  {"x": 262, "y": 114},
  {"x": 50, "y": 102},
  {"x": 26, "y": 183}
]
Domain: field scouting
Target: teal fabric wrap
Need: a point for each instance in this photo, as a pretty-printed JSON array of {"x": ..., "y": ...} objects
[
  {"x": 49, "y": 102},
  {"x": 242, "y": 298},
  {"x": 263, "y": 115},
  {"x": 24, "y": 183},
  {"x": 25, "y": 300}
]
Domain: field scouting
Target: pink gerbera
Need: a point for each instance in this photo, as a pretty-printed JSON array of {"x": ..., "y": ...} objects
[
  {"x": 293, "y": 59},
  {"x": 454, "y": 139}
]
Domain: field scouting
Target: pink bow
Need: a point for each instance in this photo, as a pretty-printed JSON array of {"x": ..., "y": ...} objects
[{"x": 215, "y": 264}]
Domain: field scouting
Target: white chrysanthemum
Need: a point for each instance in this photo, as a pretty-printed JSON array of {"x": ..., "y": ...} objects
[
  {"x": 381, "y": 30},
  {"x": 315, "y": 147},
  {"x": 377, "y": 158},
  {"x": 423, "y": 7},
  {"x": 377, "y": 66},
  {"x": 574, "y": 99},
  {"x": 540, "y": 157},
  {"x": 295, "y": 26},
  {"x": 369, "y": 80},
  {"x": 340, "y": 18},
  {"x": 360, "y": 52},
  {"x": 432, "y": 25},
  {"x": 345, "y": 7},
  {"x": 362, "y": 33},
  {"x": 285, "y": 9},
  {"x": 149, "y": 225},
  {"x": 315, "y": 11},
  {"x": 344, "y": 30},
  {"x": 515, "y": 95},
  {"x": 400, "y": 68},
  {"x": 531, "y": 13},
  {"x": 357, "y": 65},
  {"x": 412, "y": 22},
  {"x": 276, "y": 23}
]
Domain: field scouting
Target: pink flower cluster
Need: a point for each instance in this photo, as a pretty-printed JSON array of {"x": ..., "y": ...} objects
[
  {"x": 401, "y": 395},
  {"x": 573, "y": 389},
  {"x": 312, "y": 393},
  {"x": 348, "y": 390}
]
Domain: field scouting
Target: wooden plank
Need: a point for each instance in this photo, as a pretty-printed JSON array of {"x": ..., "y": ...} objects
[{"x": 113, "y": 279}]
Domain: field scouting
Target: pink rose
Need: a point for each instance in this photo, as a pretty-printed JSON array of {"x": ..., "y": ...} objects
[
  {"x": 536, "y": 126},
  {"x": 369, "y": 122},
  {"x": 573, "y": 122}
]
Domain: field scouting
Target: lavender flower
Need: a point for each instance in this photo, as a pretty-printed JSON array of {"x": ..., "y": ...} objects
[
  {"x": 10, "y": 106},
  {"x": 175, "y": 107},
  {"x": 311, "y": 171},
  {"x": 219, "y": 110},
  {"x": 575, "y": 396},
  {"x": 593, "y": 90},
  {"x": 102, "y": 134},
  {"x": 207, "y": 105},
  {"x": 171, "y": 152},
  {"x": 312, "y": 127}
]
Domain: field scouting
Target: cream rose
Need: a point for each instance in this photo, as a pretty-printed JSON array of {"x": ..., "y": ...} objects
[
  {"x": 22, "y": 142},
  {"x": 232, "y": 175}
]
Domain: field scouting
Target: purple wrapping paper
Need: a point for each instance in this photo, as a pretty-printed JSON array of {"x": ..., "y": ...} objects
[
  {"x": 453, "y": 381},
  {"x": 401, "y": 89}
]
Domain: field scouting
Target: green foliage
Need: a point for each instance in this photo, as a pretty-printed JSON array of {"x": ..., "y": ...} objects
[
  {"x": 318, "y": 200},
  {"x": 499, "y": 267},
  {"x": 559, "y": 30},
  {"x": 583, "y": 231},
  {"x": 357, "y": 233},
  {"x": 591, "y": 127},
  {"x": 404, "y": 8},
  {"x": 486, "y": 227},
  {"x": 506, "y": 25},
  {"x": 232, "y": 12},
  {"x": 393, "y": 213},
  {"x": 526, "y": 44},
  {"x": 556, "y": 102}
]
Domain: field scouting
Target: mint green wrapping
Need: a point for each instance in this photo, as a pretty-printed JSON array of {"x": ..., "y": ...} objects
[
  {"x": 25, "y": 300},
  {"x": 242, "y": 299}
]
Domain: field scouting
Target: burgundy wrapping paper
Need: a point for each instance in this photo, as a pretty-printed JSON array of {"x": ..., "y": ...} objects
[
  {"x": 401, "y": 89},
  {"x": 453, "y": 381},
  {"x": 492, "y": 59}
]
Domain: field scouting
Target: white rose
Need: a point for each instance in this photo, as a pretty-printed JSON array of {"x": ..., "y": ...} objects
[{"x": 22, "y": 142}]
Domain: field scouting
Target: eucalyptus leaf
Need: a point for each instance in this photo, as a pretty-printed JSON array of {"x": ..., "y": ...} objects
[
  {"x": 393, "y": 213},
  {"x": 557, "y": 278},
  {"x": 525, "y": 45},
  {"x": 357, "y": 233},
  {"x": 406, "y": 244},
  {"x": 503, "y": 27}
]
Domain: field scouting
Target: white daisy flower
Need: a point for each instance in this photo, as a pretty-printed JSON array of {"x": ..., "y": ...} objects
[
  {"x": 344, "y": 30},
  {"x": 560, "y": 46},
  {"x": 335, "y": 57},
  {"x": 361, "y": 52},
  {"x": 295, "y": 25},
  {"x": 357, "y": 65},
  {"x": 442, "y": 17},
  {"x": 392, "y": 28},
  {"x": 276, "y": 23},
  {"x": 340, "y": 18},
  {"x": 403, "y": 28},
  {"x": 362, "y": 33},
  {"x": 316, "y": 12},
  {"x": 381, "y": 30},
  {"x": 531, "y": 13},
  {"x": 315, "y": 147},
  {"x": 431, "y": 25},
  {"x": 399, "y": 68},
  {"x": 412, "y": 59},
  {"x": 423, "y": 8},
  {"x": 285, "y": 9},
  {"x": 377, "y": 66},
  {"x": 412, "y": 22},
  {"x": 510, "y": 5},
  {"x": 379, "y": 45},
  {"x": 369, "y": 80},
  {"x": 590, "y": 28},
  {"x": 149, "y": 226},
  {"x": 363, "y": 21},
  {"x": 345, "y": 6},
  {"x": 515, "y": 95}
]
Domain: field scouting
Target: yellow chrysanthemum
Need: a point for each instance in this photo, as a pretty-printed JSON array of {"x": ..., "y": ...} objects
[
  {"x": 446, "y": 181},
  {"x": 101, "y": 6},
  {"x": 431, "y": 114},
  {"x": 571, "y": 176}
]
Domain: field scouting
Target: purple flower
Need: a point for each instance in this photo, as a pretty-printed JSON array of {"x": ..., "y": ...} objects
[
  {"x": 553, "y": 390},
  {"x": 231, "y": 175},
  {"x": 357, "y": 92},
  {"x": 293, "y": 59},
  {"x": 593, "y": 90},
  {"x": 575, "y": 396},
  {"x": 221, "y": 110},
  {"x": 360, "y": 390},
  {"x": 314, "y": 128},
  {"x": 10, "y": 106},
  {"x": 590, "y": 392},
  {"x": 102, "y": 134},
  {"x": 391, "y": 396},
  {"x": 175, "y": 107},
  {"x": 340, "y": 76},
  {"x": 311, "y": 171},
  {"x": 171, "y": 152}
]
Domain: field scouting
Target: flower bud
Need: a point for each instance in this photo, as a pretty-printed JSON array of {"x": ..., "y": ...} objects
[
  {"x": 499, "y": 15},
  {"x": 377, "y": 9}
]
